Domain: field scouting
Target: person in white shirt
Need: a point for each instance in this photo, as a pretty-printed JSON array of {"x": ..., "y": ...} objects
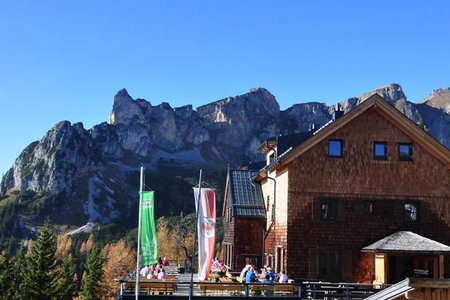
[
  {"x": 144, "y": 271},
  {"x": 283, "y": 277}
]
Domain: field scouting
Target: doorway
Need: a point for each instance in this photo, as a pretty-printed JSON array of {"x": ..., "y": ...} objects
[{"x": 400, "y": 267}]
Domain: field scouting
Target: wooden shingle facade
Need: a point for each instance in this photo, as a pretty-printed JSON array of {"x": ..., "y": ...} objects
[
  {"x": 244, "y": 219},
  {"x": 369, "y": 174}
]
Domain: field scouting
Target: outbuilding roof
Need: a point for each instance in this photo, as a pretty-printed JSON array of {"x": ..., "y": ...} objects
[
  {"x": 407, "y": 241},
  {"x": 244, "y": 194}
]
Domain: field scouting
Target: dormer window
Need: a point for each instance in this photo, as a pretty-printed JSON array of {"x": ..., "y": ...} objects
[
  {"x": 335, "y": 148},
  {"x": 405, "y": 151}
]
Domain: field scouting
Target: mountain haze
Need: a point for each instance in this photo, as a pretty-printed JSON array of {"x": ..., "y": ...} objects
[{"x": 91, "y": 175}]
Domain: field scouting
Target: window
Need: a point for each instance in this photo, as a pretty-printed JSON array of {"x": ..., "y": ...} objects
[
  {"x": 228, "y": 218},
  {"x": 327, "y": 210},
  {"x": 410, "y": 212},
  {"x": 380, "y": 150},
  {"x": 335, "y": 148},
  {"x": 405, "y": 151},
  {"x": 329, "y": 264},
  {"x": 268, "y": 203},
  {"x": 273, "y": 212}
]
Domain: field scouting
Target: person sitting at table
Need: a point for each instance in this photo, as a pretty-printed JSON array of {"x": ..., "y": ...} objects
[
  {"x": 165, "y": 262},
  {"x": 144, "y": 271},
  {"x": 246, "y": 268},
  {"x": 283, "y": 277},
  {"x": 151, "y": 272},
  {"x": 270, "y": 273},
  {"x": 262, "y": 274},
  {"x": 250, "y": 276},
  {"x": 222, "y": 269},
  {"x": 162, "y": 274}
]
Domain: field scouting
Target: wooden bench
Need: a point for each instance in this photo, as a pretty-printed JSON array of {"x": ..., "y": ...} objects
[
  {"x": 152, "y": 287},
  {"x": 284, "y": 289},
  {"x": 209, "y": 289}
]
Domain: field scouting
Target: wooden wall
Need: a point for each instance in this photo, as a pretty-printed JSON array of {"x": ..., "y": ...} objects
[{"x": 354, "y": 180}]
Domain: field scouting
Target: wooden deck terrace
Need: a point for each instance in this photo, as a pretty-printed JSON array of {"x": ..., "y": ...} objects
[{"x": 154, "y": 289}]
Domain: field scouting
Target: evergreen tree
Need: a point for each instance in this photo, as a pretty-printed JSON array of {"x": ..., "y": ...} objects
[
  {"x": 19, "y": 267},
  {"x": 6, "y": 276},
  {"x": 93, "y": 274},
  {"x": 421, "y": 124},
  {"x": 65, "y": 283},
  {"x": 39, "y": 278}
]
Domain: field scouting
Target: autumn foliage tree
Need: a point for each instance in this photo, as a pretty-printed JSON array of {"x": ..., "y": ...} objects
[{"x": 119, "y": 261}]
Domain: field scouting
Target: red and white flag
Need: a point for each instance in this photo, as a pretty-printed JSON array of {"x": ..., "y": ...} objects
[{"x": 206, "y": 226}]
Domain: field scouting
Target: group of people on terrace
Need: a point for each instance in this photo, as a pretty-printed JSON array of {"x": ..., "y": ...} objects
[
  {"x": 250, "y": 274},
  {"x": 156, "y": 271}
]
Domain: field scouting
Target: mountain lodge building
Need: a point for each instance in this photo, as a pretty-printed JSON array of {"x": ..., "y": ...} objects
[{"x": 366, "y": 198}]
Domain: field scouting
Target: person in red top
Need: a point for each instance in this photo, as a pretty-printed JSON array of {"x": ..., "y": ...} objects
[{"x": 165, "y": 262}]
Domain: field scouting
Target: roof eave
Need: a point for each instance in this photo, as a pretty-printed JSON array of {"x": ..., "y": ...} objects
[{"x": 390, "y": 251}]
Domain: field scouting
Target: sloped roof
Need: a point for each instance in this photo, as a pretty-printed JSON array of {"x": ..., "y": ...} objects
[
  {"x": 285, "y": 142},
  {"x": 245, "y": 195},
  {"x": 407, "y": 241}
]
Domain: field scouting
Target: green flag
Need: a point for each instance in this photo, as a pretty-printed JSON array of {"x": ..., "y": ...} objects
[{"x": 149, "y": 247}]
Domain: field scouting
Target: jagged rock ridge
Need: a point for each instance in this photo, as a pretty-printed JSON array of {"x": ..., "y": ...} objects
[{"x": 93, "y": 171}]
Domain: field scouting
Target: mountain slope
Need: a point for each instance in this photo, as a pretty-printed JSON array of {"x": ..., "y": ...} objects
[{"x": 93, "y": 174}]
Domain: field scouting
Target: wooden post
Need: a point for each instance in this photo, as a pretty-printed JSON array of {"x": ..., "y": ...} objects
[
  {"x": 441, "y": 266},
  {"x": 435, "y": 267},
  {"x": 381, "y": 268}
]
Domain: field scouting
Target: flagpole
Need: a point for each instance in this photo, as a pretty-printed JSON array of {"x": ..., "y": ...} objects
[
  {"x": 195, "y": 235},
  {"x": 139, "y": 234}
]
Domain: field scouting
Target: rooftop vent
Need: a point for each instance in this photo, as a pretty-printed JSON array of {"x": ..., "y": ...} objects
[{"x": 337, "y": 112}]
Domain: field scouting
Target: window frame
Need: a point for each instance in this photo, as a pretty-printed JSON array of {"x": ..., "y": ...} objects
[
  {"x": 410, "y": 152},
  {"x": 340, "y": 148},
  {"x": 380, "y": 157}
]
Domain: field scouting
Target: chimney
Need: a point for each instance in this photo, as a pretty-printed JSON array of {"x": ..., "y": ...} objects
[{"x": 337, "y": 112}]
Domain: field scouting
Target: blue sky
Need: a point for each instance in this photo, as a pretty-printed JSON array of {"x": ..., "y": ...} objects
[{"x": 65, "y": 60}]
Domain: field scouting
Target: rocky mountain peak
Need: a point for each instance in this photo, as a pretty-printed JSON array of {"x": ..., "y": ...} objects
[
  {"x": 440, "y": 99},
  {"x": 88, "y": 165},
  {"x": 126, "y": 110},
  {"x": 392, "y": 93}
]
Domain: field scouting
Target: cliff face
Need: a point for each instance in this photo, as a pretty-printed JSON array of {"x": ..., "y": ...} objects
[
  {"x": 435, "y": 111},
  {"x": 95, "y": 171}
]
